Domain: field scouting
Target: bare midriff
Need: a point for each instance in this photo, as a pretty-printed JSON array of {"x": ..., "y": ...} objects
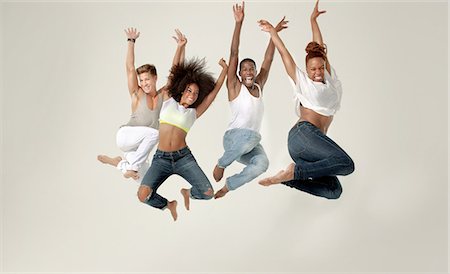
[
  {"x": 171, "y": 138},
  {"x": 320, "y": 121}
]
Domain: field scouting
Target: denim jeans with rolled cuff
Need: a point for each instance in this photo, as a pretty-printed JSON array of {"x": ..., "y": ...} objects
[
  {"x": 243, "y": 145},
  {"x": 318, "y": 160},
  {"x": 180, "y": 162}
]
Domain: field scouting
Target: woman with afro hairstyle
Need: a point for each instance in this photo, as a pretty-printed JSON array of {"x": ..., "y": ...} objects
[
  {"x": 188, "y": 94},
  {"x": 318, "y": 92}
]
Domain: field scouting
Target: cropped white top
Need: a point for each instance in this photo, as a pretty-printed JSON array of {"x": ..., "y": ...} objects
[
  {"x": 323, "y": 98},
  {"x": 174, "y": 114}
]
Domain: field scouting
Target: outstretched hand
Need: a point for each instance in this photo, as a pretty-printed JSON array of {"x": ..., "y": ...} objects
[
  {"x": 281, "y": 25},
  {"x": 265, "y": 25},
  {"x": 180, "y": 38},
  {"x": 238, "y": 11},
  {"x": 132, "y": 33},
  {"x": 223, "y": 63},
  {"x": 316, "y": 11}
]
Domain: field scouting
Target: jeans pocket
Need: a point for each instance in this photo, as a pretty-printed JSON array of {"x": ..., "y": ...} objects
[
  {"x": 297, "y": 144},
  {"x": 229, "y": 140}
]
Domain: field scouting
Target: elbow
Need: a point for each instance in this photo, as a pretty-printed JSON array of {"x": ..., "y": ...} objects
[
  {"x": 269, "y": 59},
  {"x": 234, "y": 52},
  {"x": 130, "y": 68}
]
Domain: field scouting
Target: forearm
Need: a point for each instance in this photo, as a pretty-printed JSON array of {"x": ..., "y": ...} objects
[
  {"x": 236, "y": 40},
  {"x": 268, "y": 56},
  {"x": 212, "y": 95},
  {"x": 286, "y": 57},
  {"x": 182, "y": 55},
  {"x": 221, "y": 79},
  {"x": 178, "y": 54},
  {"x": 317, "y": 35},
  {"x": 267, "y": 63},
  {"x": 234, "y": 56},
  {"x": 130, "y": 56}
]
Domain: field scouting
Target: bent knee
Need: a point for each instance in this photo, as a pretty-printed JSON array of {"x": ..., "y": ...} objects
[
  {"x": 209, "y": 194},
  {"x": 335, "y": 194},
  {"x": 347, "y": 165},
  {"x": 350, "y": 166},
  {"x": 144, "y": 193},
  {"x": 262, "y": 164}
]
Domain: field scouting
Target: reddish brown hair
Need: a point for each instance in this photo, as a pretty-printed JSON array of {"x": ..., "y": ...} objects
[{"x": 314, "y": 49}]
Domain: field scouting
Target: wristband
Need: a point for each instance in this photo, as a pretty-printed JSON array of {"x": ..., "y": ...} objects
[{"x": 131, "y": 40}]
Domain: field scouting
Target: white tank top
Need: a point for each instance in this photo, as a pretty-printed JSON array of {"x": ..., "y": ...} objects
[{"x": 247, "y": 110}]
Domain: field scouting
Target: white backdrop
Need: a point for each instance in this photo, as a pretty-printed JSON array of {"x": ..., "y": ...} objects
[{"x": 64, "y": 96}]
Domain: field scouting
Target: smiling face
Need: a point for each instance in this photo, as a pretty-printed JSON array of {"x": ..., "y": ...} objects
[
  {"x": 315, "y": 68},
  {"x": 248, "y": 73},
  {"x": 147, "y": 82},
  {"x": 189, "y": 95}
]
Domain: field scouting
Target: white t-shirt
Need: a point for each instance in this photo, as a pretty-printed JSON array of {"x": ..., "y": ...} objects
[{"x": 323, "y": 98}]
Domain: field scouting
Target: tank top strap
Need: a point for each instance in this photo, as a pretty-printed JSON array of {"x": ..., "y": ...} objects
[{"x": 259, "y": 89}]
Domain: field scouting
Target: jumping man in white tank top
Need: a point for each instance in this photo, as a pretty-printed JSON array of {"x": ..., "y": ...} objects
[{"x": 242, "y": 139}]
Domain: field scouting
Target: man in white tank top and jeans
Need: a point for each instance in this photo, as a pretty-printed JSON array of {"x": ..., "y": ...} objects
[{"x": 241, "y": 141}]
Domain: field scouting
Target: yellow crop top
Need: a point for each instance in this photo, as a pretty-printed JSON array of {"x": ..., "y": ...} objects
[{"x": 174, "y": 114}]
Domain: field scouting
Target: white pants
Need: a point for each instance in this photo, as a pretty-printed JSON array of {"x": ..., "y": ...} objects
[{"x": 136, "y": 142}]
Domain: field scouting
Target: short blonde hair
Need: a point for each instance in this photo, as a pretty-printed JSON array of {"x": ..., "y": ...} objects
[{"x": 147, "y": 68}]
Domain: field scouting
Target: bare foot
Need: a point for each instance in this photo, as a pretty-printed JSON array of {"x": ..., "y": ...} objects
[
  {"x": 185, "y": 192},
  {"x": 172, "y": 206},
  {"x": 222, "y": 192},
  {"x": 282, "y": 176},
  {"x": 218, "y": 173},
  {"x": 131, "y": 174},
  {"x": 108, "y": 160}
]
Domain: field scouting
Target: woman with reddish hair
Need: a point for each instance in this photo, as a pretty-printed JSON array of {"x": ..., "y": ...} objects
[{"x": 318, "y": 92}]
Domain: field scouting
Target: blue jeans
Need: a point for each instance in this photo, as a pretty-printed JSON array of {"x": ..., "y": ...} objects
[
  {"x": 243, "y": 145},
  {"x": 318, "y": 160},
  {"x": 180, "y": 162}
]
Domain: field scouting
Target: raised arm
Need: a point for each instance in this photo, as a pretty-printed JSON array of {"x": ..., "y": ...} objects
[
  {"x": 288, "y": 61},
  {"x": 132, "y": 36},
  {"x": 178, "y": 58},
  {"x": 211, "y": 96},
  {"x": 268, "y": 56},
  {"x": 181, "y": 42},
  {"x": 232, "y": 79},
  {"x": 317, "y": 35}
]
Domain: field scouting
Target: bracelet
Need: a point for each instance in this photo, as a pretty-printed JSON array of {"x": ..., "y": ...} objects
[{"x": 131, "y": 40}]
